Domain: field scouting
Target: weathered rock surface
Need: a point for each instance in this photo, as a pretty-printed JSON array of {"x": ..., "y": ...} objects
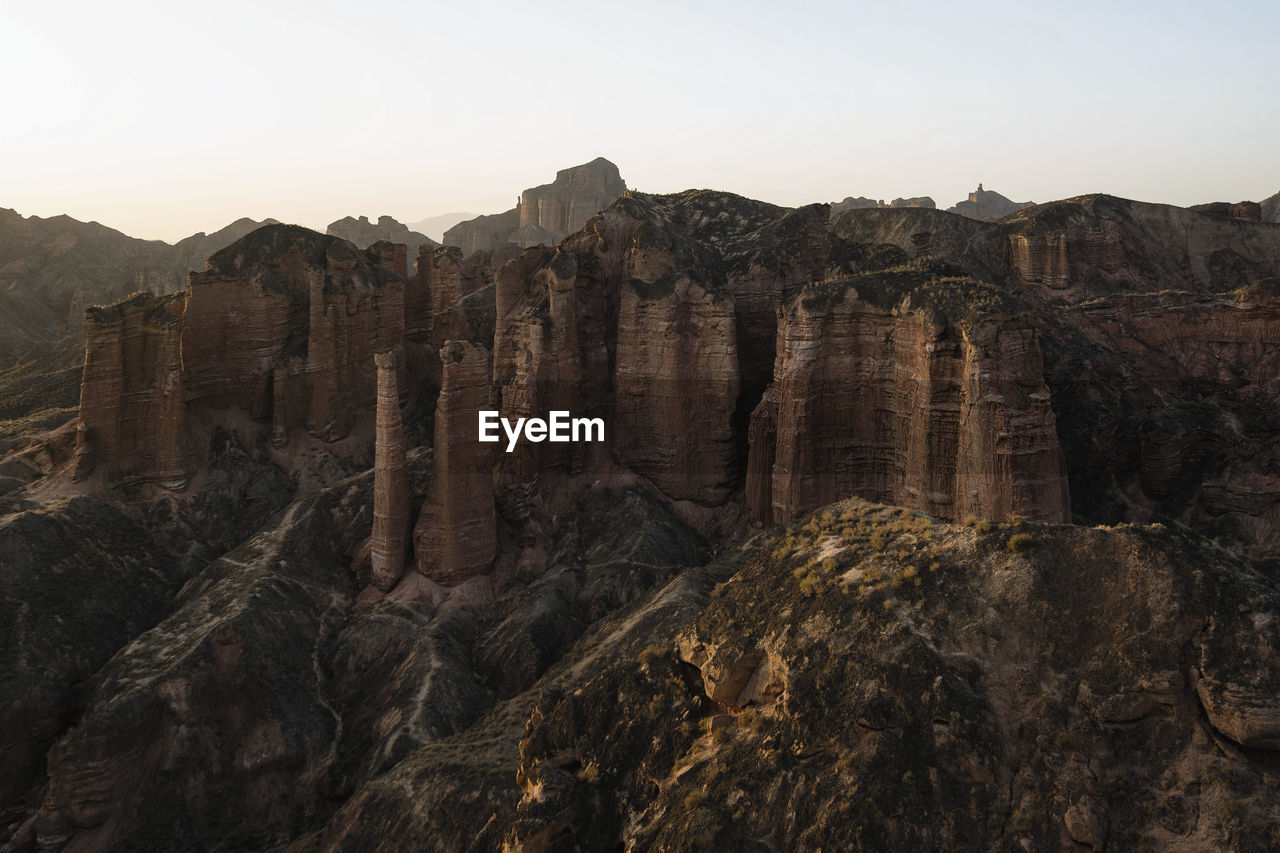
[
  {"x": 907, "y": 390},
  {"x": 455, "y": 538},
  {"x": 391, "y": 507},
  {"x": 545, "y": 214},
  {"x": 987, "y": 205},
  {"x": 133, "y": 399},
  {"x": 932, "y": 682},
  {"x": 283, "y": 326},
  {"x": 677, "y": 388}
]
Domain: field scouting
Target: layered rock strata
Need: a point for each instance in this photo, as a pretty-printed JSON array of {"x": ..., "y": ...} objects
[
  {"x": 133, "y": 399},
  {"x": 283, "y": 325},
  {"x": 897, "y": 403},
  {"x": 391, "y": 506},
  {"x": 455, "y": 538},
  {"x": 676, "y": 387}
]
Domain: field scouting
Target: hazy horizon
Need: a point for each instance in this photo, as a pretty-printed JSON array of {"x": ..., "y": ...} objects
[{"x": 162, "y": 121}]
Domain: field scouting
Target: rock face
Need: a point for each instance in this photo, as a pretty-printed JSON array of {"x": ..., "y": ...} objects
[
  {"x": 456, "y": 535},
  {"x": 833, "y": 659},
  {"x": 904, "y": 404},
  {"x": 364, "y": 233},
  {"x": 133, "y": 397},
  {"x": 391, "y": 506},
  {"x": 677, "y": 386},
  {"x": 987, "y": 205},
  {"x": 283, "y": 325},
  {"x": 545, "y": 214}
]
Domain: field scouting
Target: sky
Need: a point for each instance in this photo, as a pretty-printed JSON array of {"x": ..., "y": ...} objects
[{"x": 162, "y": 119}]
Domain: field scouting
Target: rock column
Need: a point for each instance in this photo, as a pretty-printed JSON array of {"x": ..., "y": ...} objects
[{"x": 390, "y": 481}]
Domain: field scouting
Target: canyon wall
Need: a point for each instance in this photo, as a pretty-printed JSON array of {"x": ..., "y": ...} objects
[
  {"x": 904, "y": 406},
  {"x": 283, "y": 325}
]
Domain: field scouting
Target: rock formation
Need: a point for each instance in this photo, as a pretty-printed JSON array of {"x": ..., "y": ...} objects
[
  {"x": 544, "y": 214},
  {"x": 597, "y": 645},
  {"x": 864, "y": 203},
  {"x": 133, "y": 399},
  {"x": 364, "y": 233},
  {"x": 391, "y": 507},
  {"x": 905, "y": 405},
  {"x": 283, "y": 325},
  {"x": 676, "y": 386},
  {"x": 456, "y": 535},
  {"x": 987, "y": 205}
]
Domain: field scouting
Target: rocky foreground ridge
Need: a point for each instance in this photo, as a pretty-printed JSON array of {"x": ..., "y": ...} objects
[{"x": 356, "y": 627}]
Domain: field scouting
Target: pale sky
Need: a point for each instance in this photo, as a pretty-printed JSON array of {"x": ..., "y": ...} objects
[{"x": 165, "y": 118}]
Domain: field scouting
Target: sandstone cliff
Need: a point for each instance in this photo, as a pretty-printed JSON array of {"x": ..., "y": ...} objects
[
  {"x": 910, "y": 391},
  {"x": 545, "y": 214},
  {"x": 391, "y": 507},
  {"x": 133, "y": 396},
  {"x": 283, "y": 326},
  {"x": 456, "y": 535}
]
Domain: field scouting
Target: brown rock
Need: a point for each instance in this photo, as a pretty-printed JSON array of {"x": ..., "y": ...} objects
[
  {"x": 283, "y": 325},
  {"x": 390, "y": 481},
  {"x": 676, "y": 387},
  {"x": 132, "y": 399},
  {"x": 899, "y": 405},
  {"x": 456, "y": 535}
]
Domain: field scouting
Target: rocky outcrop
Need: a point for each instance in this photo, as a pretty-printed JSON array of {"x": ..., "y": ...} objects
[
  {"x": 835, "y": 649},
  {"x": 455, "y": 538},
  {"x": 987, "y": 205},
  {"x": 364, "y": 233},
  {"x": 882, "y": 391},
  {"x": 676, "y": 387},
  {"x": 133, "y": 424},
  {"x": 390, "y": 543},
  {"x": 864, "y": 203},
  {"x": 283, "y": 325},
  {"x": 545, "y": 214}
]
